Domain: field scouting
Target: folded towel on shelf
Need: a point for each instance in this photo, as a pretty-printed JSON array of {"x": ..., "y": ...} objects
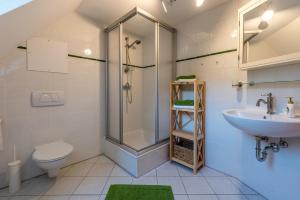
[
  {"x": 183, "y": 107},
  {"x": 186, "y": 77},
  {"x": 184, "y": 102}
]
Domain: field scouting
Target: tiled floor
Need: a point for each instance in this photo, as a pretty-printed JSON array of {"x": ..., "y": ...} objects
[{"x": 90, "y": 180}]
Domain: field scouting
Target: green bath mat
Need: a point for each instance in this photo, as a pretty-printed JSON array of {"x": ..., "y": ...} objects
[{"x": 139, "y": 192}]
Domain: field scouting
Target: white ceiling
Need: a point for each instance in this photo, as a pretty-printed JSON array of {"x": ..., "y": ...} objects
[
  {"x": 20, "y": 24},
  {"x": 107, "y": 11}
]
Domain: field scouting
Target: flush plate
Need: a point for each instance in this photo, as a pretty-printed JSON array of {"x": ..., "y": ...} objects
[{"x": 47, "y": 98}]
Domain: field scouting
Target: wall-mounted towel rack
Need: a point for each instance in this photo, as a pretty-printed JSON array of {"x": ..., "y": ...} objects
[{"x": 252, "y": 83}]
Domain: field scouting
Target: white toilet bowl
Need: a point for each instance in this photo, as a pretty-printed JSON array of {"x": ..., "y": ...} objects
[{"x": 52, "y": 156}]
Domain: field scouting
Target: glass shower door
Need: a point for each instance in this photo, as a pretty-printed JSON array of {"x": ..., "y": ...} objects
[
  {"x": 139, "y": 87},
  {"x": 165, "y": 76},
  {"x": 113, "y": 85}
]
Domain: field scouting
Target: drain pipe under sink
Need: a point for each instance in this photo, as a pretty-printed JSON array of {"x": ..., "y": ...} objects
[{"x": 261, "y": 155}]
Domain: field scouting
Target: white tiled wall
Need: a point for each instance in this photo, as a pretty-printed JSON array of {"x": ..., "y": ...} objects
[
  {"x": 228, "y": 149},
  {"x": 79, "y": 122}
]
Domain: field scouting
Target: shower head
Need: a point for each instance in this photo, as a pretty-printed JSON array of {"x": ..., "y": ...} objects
[{"x": 137, "y": 42}]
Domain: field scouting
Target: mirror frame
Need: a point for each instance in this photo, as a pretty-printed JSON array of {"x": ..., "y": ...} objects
[{"x": 264, "y": 63}]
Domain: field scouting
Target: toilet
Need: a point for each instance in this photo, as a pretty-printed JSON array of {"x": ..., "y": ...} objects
[{"x": 52, "y": 156}]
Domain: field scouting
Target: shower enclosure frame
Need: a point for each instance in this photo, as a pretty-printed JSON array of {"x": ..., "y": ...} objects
[{"x": 119, "y": 24}]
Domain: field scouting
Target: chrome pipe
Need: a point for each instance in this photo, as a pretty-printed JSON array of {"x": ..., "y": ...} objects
[{"x": 262, "y": 154}]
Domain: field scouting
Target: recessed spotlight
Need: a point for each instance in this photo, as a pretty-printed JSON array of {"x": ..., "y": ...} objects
[
  {"x": 164, "y": 6},
  {"x": 87, "y": 52},
  {"x": 199, "y": 3},
  {"x": 268, "y": 14}
]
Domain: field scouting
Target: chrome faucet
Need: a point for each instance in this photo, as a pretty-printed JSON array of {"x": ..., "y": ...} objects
[{"x": 269, "y": 102}]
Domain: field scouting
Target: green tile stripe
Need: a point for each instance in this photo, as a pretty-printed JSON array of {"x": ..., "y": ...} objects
[
  {"x": 207, "y": 55},
  {"x": 180, "y": 60}
]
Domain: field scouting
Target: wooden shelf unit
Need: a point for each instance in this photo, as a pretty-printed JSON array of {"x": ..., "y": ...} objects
[{"x": 196, "y": 116}]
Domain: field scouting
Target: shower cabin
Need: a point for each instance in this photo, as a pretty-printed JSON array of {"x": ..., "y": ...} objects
[{"x": 141, "y": 54}]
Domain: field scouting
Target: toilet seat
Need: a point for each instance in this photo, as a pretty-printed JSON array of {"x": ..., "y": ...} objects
[{"x": 52, "y": 151}]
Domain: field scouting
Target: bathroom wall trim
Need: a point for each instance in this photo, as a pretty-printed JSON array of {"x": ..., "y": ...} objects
[
  {"x": 73, "y": 55},
  {"x": 206, "y": 55},
  {"x": 177, "y": 61}
]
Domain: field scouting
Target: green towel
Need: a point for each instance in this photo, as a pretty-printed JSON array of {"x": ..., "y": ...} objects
[
  {"x": 184, "y": 102},
  {"x": 186, "y": 77}
]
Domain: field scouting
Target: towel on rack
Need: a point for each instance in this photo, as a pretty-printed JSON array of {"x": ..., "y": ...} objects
[
  {"x": 186, "y": 77},
  {"x": 184, "y": 102}
]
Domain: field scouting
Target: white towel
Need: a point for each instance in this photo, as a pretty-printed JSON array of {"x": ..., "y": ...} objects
[
  {"x": 183, "y": 107},
  {"x": 1, "y": 137}
]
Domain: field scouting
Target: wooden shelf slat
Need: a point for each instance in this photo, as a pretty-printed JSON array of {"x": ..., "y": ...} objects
[
  {"x": 185, "y": 135},
  {"x": 187, "y": 82},
  {"x": 182, "y": 162},
  {"x": 187, "y": 109}
]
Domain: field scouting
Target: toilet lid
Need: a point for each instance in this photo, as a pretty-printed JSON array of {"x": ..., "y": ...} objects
[{"x": 52, "y": 151}]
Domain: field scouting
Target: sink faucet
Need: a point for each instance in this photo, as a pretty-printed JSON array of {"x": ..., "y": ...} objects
[{"x": 269, "y": 103}]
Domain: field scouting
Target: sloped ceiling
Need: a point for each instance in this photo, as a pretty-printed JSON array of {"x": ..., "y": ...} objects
[
  {"x": 107, "y": 11},
  {"x": 20, "y": 24}
]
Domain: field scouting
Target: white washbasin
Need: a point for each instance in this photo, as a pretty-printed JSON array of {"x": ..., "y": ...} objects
[{"x": 258, "y": 123}]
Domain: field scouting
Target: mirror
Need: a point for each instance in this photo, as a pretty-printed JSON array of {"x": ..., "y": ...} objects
[{"x": 269, "y": 33}]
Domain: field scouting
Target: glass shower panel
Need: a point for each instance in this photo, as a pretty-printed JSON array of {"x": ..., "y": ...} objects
[
  {"x": 113, "y": 87},
  {"x": 165, "y": 77},
  {"x": 139, "y": 75}
]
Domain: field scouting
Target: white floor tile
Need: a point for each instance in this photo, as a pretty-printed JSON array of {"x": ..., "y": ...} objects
[
  {"x": 91, "y": 185},
  {"x": 151, "y": 173},
  {"x": 254, "y": 197},
  {"x": 203, "y": 197},
  {"x": 104, "y": 160},
  {"x": 91, "y": 160},
  {"x": 85, "y": 197},
  {"x": 174, "y": 182},
  {"x": 100, "y": 170},
  {"x": 116, "y": 180},
  {"x": 145, "y": 181},
  {"x": 231, "y": 197},
  {"x": 36, "y": 186},
  {"x": 167, "y": 169},
  {"x": 102, "y": 197},
  {"x": 222, "y": 185},
  {"x": 22, "y": 198},
  {"x": 242, "y": 187},
  {"x": 65, "y": 186},
  {"x": 181, "y": 197},
  {"x": 91, "y": 179},
  {"x": 80, "y": 169},
  {"x": 206, "y": 171},
  {"x": 118, "y": 171},
  {"x": 185, "y": 171},
  {"x": 64, "y": 170},
  {"x": 55, "y": 197},
  {"x": 196, "y": 185}
]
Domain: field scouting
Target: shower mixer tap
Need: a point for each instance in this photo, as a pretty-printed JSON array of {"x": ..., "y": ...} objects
[{"x": 127, "y": 86}]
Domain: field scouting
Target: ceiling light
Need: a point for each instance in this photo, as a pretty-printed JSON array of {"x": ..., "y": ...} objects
[
  {"x": 268, "y": 14},
  {"x": 199, "y": 3},
  {"x": 263, "y": 25},
  {"x": 87, "y": 52},
  {"x": 234, "y": 34},
  {"x": 164, "y": 6}
]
